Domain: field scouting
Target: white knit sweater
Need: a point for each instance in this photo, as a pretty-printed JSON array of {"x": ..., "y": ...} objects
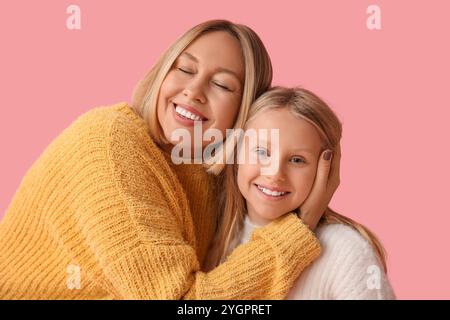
[{"x": 347, "y": 269}]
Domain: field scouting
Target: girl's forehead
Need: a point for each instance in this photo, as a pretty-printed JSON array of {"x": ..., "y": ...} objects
[
  {"x": 272, "y": 115},
  {"x": 292, "y": 129}
]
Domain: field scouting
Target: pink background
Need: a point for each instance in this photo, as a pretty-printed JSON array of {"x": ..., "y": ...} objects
[{"x": 389, "y": 87}]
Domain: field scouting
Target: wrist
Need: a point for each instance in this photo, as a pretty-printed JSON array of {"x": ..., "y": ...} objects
[{"x": 306, "y": 219}]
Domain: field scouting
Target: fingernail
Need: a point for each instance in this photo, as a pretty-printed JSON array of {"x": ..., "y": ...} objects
[{"x": 327, "y": 155}]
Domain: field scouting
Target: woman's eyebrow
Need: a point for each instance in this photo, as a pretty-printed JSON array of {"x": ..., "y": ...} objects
[
  {"x": 234, "y": 74},
  {"x": 220, "y": 69},
  {"x": 190, "y": 56}
]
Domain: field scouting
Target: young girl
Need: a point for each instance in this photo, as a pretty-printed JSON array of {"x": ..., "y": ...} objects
[
  {"x": 352, "y": 264},
  {"x": 105, "y": 214}
]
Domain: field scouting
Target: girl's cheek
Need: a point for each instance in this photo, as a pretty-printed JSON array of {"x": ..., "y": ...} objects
[
  {"x": 241, "y": 178},
  {"x": 309, "y": 180},
  {"x": 304, "y": 181},
  {"x": 246, "y": 174}
]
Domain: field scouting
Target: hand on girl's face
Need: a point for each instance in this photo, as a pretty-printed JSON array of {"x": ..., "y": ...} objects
[
  {"x": 325, "y": 185},
  {"x": 206, "y": 80},
  {"x": 270, "y": 196}
]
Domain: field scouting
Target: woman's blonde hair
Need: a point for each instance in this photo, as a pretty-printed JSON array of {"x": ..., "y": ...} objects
[
  {"x": 309, "y": 107},
  {"x": 258, "y": 78}
]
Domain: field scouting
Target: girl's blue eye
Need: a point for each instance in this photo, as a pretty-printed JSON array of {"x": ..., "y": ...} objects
[
  {"x": 298, "y": 160},
  {"x": 261, "y": 152}
]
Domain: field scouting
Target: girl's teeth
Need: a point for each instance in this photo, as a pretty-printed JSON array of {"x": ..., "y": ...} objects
[
  {"x": 270, "y": 192},
  {"x": 187, "y": 114}
]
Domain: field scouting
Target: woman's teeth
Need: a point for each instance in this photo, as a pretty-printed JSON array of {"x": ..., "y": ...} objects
[
  {"x": 186, "y": 114},
  {"x": 271, "y": 192}
]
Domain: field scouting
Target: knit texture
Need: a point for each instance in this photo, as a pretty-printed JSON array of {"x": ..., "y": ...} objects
[
  {"x": 347, "y": 269},
  {"x": 104, "y": 205}
]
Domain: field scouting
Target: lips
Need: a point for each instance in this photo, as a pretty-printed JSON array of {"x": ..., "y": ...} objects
[
  {"x": 272, "y": 188},
  {"x": 190, "y": 109},
  {"x": 271, "y": 193}
]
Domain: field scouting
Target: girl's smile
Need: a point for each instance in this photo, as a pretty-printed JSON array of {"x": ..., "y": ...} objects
[{"x": 271, "y": 193}]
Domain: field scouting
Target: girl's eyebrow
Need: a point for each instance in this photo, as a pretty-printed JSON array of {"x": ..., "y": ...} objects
[
  {"x": 267, "y": 143},
  {"x": 303, "y": 150},
  {"x": 195, "y": 59}
]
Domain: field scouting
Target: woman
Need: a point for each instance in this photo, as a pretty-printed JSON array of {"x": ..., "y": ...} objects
[{"x": 105, "y": 205}]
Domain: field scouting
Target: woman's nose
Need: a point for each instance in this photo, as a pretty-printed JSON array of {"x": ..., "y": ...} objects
[{"x": 194, "y": 92}]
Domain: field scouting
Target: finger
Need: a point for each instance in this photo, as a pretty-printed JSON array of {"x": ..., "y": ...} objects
[
  {"x": 318, "y": 194},
  {"x": 334, "y": 176},
  {"x": 323, "y": 168},
  {"x": 337, "y": 159}
]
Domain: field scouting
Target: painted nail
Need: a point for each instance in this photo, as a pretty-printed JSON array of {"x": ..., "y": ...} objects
[{"x": 327, "y": 155}]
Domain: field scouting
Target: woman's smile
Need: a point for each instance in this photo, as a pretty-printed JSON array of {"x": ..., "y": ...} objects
[
  {"x": 203, "y": 85},
  {"x": 186, "y": 115}
]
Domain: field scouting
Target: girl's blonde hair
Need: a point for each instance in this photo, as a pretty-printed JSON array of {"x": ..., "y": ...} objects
[
  {"x": 309, "y": 107},
  {"x": 258, "y": 78}
]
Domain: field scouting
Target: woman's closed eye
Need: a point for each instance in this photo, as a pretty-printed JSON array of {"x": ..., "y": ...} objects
[
  {"x": 221, "y": 86},
  {"x": 185, "y": 70},
  {"x": 217, "y": 84}
]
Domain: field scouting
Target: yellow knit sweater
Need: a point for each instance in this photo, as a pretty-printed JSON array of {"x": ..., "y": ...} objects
[{"x": 104, "y": 214}]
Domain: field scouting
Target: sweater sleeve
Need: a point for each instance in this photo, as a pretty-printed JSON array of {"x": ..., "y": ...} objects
[
  {"x": 133, "y": 226},
  {"x": 261, "y": 269}
]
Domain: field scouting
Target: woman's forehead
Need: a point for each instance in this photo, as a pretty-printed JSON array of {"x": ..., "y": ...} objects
[{"x": 217, "y": 49}]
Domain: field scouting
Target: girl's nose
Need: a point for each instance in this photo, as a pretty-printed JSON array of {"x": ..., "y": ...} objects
[{"x": 279, "y": 175}]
